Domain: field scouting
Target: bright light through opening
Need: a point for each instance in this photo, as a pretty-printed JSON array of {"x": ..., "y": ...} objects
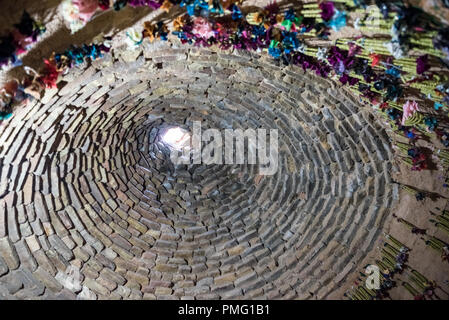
[{"x": 176, "y": 138}]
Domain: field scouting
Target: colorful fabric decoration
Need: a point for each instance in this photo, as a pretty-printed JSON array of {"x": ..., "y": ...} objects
[
  {"x": 105, "y": 4},
  {"x": 236, "y": 13},
  {"x": 437, "y": 106},
  {"x": 327, "y": 10},
  {"x": 85, "y": 8},
  {"x": 202, "y": 28},
  {"x": 75, "y": 18},
  {"x": 145, "y": 3},
  {"x": 133, "y": 38},
  {"x": 19, "y": 40},
  {"x": 155, "y": 31},
  {"x": 409, "y": 108},
  {"x": 120, "y": 4},
  {"x": 422, "y": 64},
  {"x": 4, "y": 115},
  {"x": 338, "y": 21},
  {"x": 431, "y": 123}
]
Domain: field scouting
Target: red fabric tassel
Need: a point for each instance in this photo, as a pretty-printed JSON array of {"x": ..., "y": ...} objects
[
  {"x": 375, "y": 59},
  {"x": 50, "y": 75}
]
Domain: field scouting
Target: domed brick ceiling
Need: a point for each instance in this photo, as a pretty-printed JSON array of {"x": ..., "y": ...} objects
[{"x": 92, "y": 207}]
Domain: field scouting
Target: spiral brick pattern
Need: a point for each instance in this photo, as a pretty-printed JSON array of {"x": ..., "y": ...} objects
[{"x": 85, "y": 185}]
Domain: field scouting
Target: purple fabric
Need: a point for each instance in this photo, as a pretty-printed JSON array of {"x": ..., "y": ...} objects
[
  {"x": 422, "y": 64},
  {"x": 307, "y": 62},
  {"x": 327, "y": 10},
  {"x": 145, "y": 3},
  {"x": 339, "y": 60}
]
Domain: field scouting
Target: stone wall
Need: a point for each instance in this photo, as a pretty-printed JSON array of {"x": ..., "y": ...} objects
[{"x": 80, "y": 190}]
